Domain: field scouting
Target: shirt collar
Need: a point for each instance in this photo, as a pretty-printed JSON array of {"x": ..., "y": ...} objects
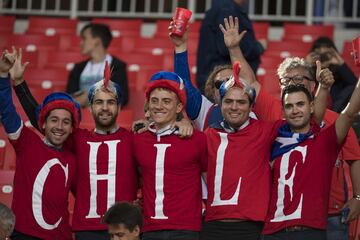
[{"x": 111, "y": 131}]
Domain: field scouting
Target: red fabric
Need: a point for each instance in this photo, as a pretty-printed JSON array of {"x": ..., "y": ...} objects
[
  {"x": 268, "y": 108},
  {"x": 309, "y": 166},
  {"x": 184, "y": 161},
  {"x": 31, "y": 156},
  {"x": 63, "y": 104},
  {"x": 125, "y": 175},
  {"x": 247, "y": 156}
]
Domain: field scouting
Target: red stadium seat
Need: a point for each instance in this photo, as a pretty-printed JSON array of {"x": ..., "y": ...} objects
[
  {"x": 69, "y": 43},
  {"x": 52, "y": 26},
  {"x": 154, "y": 46},
  {"x": 31, "y": 43},
  {"x": 137, "y": 61},
  {"x": 40, "y": 93},
  {"x": 261, "y": 30},
  {"x": 347, "y": 49},
  {"x": 307, "y": 33},
  {"x": 48, "y": 78},
  {"x": 162, "y": 28},
  {"x": 122, "y": 27},
  {"x": 7, "y": 24},
  {"x": 64, "y": 60},
  {"x": 6, "y": 186},
  {"x": 285, "y": 49}
]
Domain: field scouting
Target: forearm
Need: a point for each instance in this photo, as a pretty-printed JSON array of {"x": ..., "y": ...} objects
[
  {"x": 353, "y": 107},
  {"x": 181, "y": 68},
  {"x": 355, "y": 176},
  {"x": 320, "y": 103},
  {"x": 28, "y": 102},
  {"x": 9, "y": 117}
]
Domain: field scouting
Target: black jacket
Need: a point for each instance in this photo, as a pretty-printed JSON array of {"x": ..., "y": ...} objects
[{"x": 118, "y": 75}]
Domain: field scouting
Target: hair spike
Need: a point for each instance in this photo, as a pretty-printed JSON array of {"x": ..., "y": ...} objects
[{"x": 236, "y": 73}]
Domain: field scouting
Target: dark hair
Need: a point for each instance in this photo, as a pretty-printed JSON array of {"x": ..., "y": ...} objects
[
  {"x": 293, "y": 88},
  {"x": 323, "y": 42},
  {"x": 124, "y": 213},
  {"x": 210, "y": 82},
  {"x": 99, "y": 30}
]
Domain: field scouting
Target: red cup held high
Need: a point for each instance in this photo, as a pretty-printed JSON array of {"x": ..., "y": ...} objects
[{"x": 181, "y": 19}]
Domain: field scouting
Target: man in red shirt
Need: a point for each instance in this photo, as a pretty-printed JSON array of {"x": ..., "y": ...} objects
[
  {"x": 45, "y": 171},
  {"x": 106, "y": 172},
  {"x": 170, "y": 166},
  {"x": 296, "y": 71},
  {"x": 302, "y": 165}
]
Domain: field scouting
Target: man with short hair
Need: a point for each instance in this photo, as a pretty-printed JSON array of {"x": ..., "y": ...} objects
[
  {"x": 45, "y": 170},
  {"x": 106, "y": 170},
  {"x": 7, "y": 221},
  {"x": 95, "y": 40},
  {"x": 124, "y": 221},
  {"x": 302, "y": 165},
  {"x": 170, "y": 166}
]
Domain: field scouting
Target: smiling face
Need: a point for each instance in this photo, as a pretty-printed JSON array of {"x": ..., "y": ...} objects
[
  {"x": 235, "y": 107},
  {"x": 297, "y": 111},
  {"x": 164, "y": 105},
  {"x": 58, "y": 126},
  {"x": 105, "y": 110}
]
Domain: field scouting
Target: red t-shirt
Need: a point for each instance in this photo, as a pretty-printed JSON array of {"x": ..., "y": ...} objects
[
  {"x": 106, "y": 173},
  {"x": 171, "y": 170},
  {"x": 42, "y": 182},
  {"x": 269, "y": 108},
  {"x": 238, "y": 177},
  {"x": 301, "y": 183}
]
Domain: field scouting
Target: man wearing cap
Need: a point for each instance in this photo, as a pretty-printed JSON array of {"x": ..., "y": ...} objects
[
  {"x": 45, "y": 171},
  {"x": 106, "y": 172},
  {"x": 170, "y": 166}
]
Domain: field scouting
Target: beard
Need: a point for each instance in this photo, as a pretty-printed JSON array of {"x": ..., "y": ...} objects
[{"x": 104, "y": 124}]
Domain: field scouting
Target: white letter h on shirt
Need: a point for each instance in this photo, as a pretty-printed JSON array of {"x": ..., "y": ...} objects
[{"x": 94, "y": 177}]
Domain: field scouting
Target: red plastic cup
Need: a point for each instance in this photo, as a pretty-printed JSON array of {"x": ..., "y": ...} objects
[
  {"x": 356, "y": 50},
  {"x": 181, "y": 19}
]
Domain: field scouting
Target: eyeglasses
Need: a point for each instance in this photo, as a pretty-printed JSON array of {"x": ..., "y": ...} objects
[{"x": 298, "y": 79}]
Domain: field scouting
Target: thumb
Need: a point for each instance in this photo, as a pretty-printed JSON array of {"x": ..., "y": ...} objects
[
  {"x": 318, "y": 67},
  {"x": 242, "y": 34},
  {"x": 25, "y": 65},
  {"x": 346, "y": 205}
]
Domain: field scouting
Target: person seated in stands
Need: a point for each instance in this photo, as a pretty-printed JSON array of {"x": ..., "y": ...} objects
[
  {"x": 324, "y": 49},
  {"x": 95, "y": 40}
]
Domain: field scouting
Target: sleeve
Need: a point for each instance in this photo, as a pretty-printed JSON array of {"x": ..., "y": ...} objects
[
  {"x": 193, "y": 95},
  {"x": 346, "y": 75},
  {"x": 203, "y": 159},
  {"x": 267, "y": 107},
  {"x": 28, "y": 102},
  {"x": 351, "y": 149},
  {"x": 73, "y": 85},
  {"x": 329, "y": 138},
  {"x": 25, "y": 139},
  {"x": 119, "y": 75},
  {"x": 9, "y": 117}
]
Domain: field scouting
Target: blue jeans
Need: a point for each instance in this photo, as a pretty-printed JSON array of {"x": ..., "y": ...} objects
[
  {"x": 171, "y": 235},
  {"x": 309, "y": 234},
  {"x": 336, "y": 230}
]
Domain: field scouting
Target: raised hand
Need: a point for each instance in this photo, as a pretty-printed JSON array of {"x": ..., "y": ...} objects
[
  {"x": 180, "y": 43},
  {"x": 18, "y": 69},
  {"x": 7, "y": 60},
  {"x": 324, "y": 76},
  {"x": 232, "y": 37}
]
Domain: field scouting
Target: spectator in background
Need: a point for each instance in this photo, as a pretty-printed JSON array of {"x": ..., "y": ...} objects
[
  {"x": 7, "y": 221},
  {"x": 96, "y": 38},
  {"x": 212, "y": 50},
  {"x": 124, "y": 221},
  {"x": 324, "y": 49}
]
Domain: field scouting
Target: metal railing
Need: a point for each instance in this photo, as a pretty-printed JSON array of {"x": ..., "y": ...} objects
[{"x": 309, "y": 11}]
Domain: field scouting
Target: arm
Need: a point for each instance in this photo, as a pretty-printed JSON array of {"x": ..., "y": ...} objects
[
  {"x": 353, "y": 204},
  {"x": 232, "y": 39},
  {"x": 181, "y": 67},
  {"x": 9, "y": 117},
  {"x": 326, "y": 80},
  {"x": 346, "y": 117},
  {"x": 22, "y": 91}
]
